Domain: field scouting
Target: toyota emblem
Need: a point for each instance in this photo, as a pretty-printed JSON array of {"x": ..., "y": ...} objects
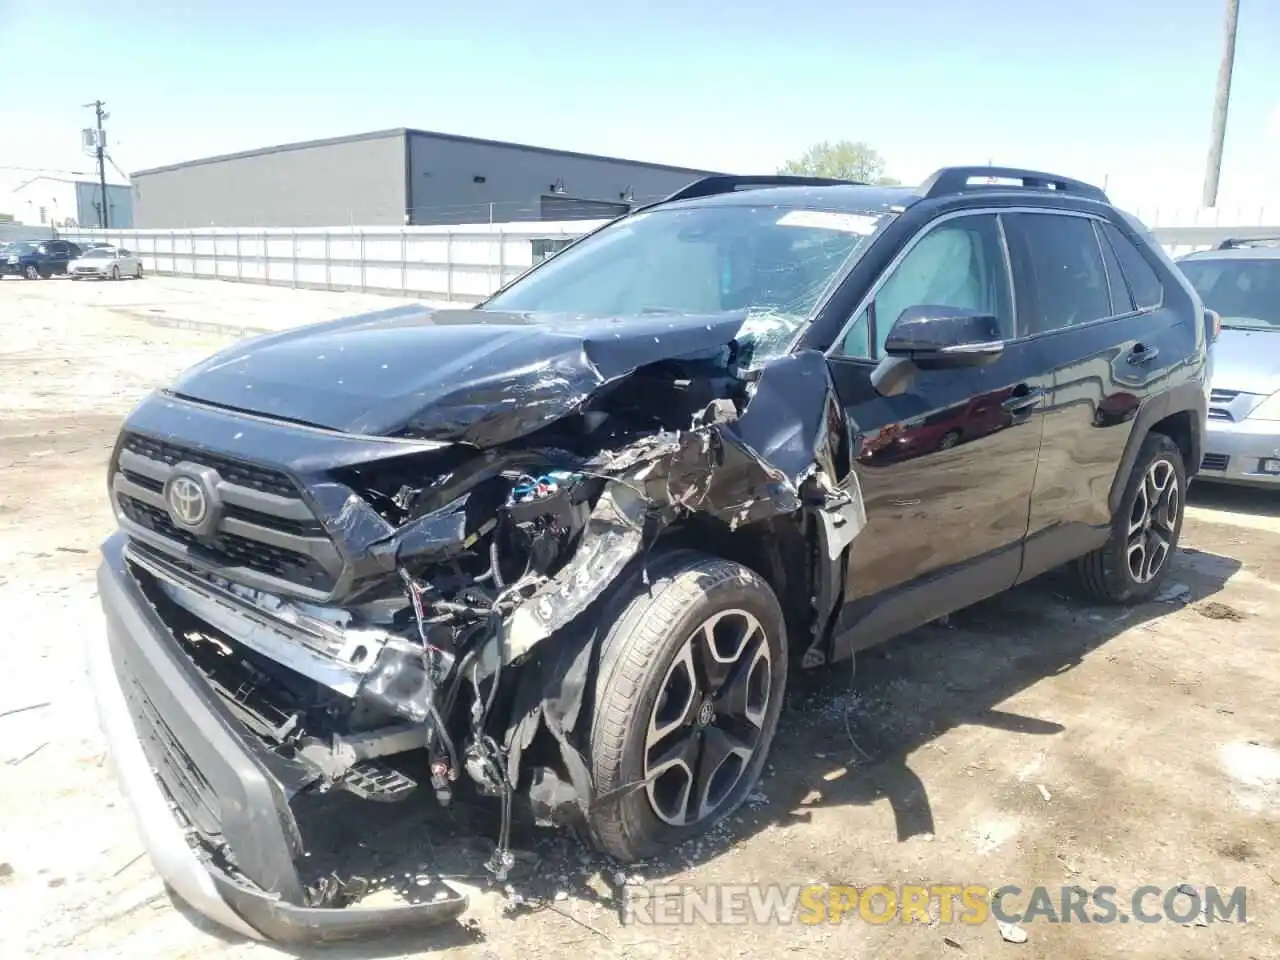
[{"x": 188, "y": 503}]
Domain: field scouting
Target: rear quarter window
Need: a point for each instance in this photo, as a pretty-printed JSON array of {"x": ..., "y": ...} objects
[{"x": 1143, "y": 281}]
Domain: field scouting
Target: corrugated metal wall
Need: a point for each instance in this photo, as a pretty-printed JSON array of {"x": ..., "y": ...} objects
[
  {"x": 456, "y": 180},
  {"x": 353, "y": 181}
]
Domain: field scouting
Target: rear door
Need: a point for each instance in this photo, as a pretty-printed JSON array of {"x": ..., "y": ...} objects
[
  {"x": 947, "y": 467},
  {"x": 1093, "y": 306}
]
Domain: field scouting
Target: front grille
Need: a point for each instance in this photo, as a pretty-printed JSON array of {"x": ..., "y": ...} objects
[
  {"x": 233, "y": 471},
  {"x": 227, "y": 549},
  {"x": 263, "y": 524},
  {"x": 1223, "y": 396},
  {"x": 1217, "y": 413},
  {"x": 186, "y": 786},
  {"x": 1215, "y": 461}
]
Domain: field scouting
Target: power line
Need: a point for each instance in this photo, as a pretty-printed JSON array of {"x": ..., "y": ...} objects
[
  {"x": 110, "y": 159},
  {"x": 1220, "y": 102}
]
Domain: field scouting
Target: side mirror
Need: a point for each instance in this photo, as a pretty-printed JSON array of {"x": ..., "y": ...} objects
[
  {"x": 935, "y": 338},
  {"x": 1212, "y": 324},
  {"x": 944, "y": 338}
]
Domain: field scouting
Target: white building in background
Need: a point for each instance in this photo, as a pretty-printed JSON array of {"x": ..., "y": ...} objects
[{"x": 58, "y": 200}]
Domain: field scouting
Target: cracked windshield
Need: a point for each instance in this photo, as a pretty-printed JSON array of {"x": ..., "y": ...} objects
[{"x": 773, "y": 263}]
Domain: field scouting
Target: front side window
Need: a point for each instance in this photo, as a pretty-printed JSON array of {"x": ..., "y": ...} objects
[
  {"x": 959, "y": 263},
  {"x": 774, "y": 263},
  {"x": 1245, "y": 293},
  {"x": 1062, "y": 256}
]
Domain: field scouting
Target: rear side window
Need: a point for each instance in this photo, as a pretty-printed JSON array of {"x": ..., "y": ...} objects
[
  {"x": 1121, "y": 302},
  {"x": 1063, "y": 260},
  {"x": 1145, "y": 285}
]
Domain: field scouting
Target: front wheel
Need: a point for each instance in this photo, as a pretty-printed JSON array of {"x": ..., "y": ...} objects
[
  {"x": 31, "y": 272},
  {"x": 687, "y": 699},
  {"x": 115, "y": 273},
  {"x": 1130, "y": 567}
]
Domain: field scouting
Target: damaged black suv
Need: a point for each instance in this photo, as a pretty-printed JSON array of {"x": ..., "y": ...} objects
[{"x": 564, "y": 547}]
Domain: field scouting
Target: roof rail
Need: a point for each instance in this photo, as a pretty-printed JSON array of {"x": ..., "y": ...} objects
[
  {"x": 1232, "y": 242},
  {"x": 951, "y": 180},
  {"x": 728, "y": 183}
]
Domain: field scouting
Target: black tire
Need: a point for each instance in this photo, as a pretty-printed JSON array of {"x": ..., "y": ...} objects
[
  {"x": 115, "y": 273},
  {"x": 638, "y": 659},
  {"x": 32, "y": 272},
  {"x": 1107, "y": 574}
]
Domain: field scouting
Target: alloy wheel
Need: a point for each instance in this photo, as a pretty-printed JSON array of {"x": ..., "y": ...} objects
[
  {"x": 708, "y": 719},
  {"x": 1153, "y": 521}
]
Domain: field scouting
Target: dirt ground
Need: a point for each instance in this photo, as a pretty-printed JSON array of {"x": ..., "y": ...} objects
[{"x": 1031, "y": 740}]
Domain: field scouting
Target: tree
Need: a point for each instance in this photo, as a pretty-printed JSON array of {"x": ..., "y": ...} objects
[{"x": 842, "y": 160}]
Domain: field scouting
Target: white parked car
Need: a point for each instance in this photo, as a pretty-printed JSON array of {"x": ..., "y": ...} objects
[{"x": 103, "y": 262}]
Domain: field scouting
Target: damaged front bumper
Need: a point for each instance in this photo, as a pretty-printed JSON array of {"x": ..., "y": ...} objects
[{"x": 212, "y": 809}]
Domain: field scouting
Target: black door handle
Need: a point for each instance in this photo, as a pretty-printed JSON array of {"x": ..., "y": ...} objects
[
  {"x": 1024, "y": 398},
  {"x": 1140, "y": 353}
]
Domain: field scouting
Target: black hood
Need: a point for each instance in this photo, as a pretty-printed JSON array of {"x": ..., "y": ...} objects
[{"x": 474, "y": 375}]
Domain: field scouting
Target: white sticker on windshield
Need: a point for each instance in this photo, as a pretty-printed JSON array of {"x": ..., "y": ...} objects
[{"x": 858, "y": 223}]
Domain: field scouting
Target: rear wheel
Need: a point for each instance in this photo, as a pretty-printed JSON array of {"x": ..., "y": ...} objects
[
  {"x": 949, "y": 440},
  {"x": 687, "y": 700},
  {"x": 1132, "y": 564}
]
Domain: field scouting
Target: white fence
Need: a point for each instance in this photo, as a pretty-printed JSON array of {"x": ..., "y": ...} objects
[
  {"x": 462, "y": 264},
  {"x": 458, "y": 264}
]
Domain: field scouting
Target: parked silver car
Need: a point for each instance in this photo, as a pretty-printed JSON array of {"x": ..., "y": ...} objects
[
  {"x": 105, "y": 262},
  {"x": 1240, "y": 280}
]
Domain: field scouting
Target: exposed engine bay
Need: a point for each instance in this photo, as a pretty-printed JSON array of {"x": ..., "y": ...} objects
[{"x": 476, "y": 559}]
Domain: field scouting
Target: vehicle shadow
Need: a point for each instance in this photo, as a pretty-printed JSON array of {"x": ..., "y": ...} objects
[
  {"x": 1236, "y": 499},
  {"x": 908, "y": 693},
  {"x": 905, "y": 694}
]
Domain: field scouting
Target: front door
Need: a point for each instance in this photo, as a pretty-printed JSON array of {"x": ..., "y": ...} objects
[{"x": 947, "y": 467}]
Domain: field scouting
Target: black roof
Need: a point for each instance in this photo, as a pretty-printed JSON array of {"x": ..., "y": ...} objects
[{"x": 851, "y": 198}]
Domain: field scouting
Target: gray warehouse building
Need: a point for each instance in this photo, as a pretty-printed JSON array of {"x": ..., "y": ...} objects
[{"x": 395, "y": 177}]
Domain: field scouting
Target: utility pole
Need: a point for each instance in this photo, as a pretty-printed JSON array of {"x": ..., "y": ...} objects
[
  {"x": 1220, "y": 101},
  {"x": 103, "y": 218}
]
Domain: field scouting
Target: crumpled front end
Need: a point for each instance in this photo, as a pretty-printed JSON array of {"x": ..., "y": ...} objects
[
  {"x": 212, "y": 806},
  {"x": 296, "y": 611}
]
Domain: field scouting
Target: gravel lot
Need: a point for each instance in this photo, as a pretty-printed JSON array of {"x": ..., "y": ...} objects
[{"x": 1031, "y": 740}]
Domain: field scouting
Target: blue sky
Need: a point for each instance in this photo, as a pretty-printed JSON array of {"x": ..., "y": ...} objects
[{"x": 1114, "y": 90}]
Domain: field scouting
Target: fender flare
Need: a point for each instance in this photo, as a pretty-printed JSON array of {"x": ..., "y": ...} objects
[{"x": 1184, "y": 398}]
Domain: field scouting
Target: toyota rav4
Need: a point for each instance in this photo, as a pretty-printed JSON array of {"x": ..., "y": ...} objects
[{"x": 565, "y": 547}]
